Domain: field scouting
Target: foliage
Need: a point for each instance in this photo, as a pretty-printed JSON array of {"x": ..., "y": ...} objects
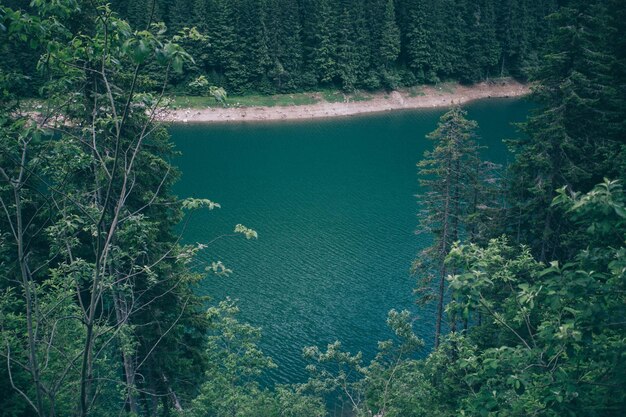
[
  {"x": 97, "y": 305},
  {"x": 98, "y": 311},
  {"x": 561, "y": 335},
  {"x": 542, "y": 339},
  {"x": 278, "y": 46},
  {"x": 385, "y": 386},
  {"x": 199, "y": 86},
  {"x": 232, "y": 384},
  {"x": 573, "y": 136},
  {"x": 451, "y": 205}
]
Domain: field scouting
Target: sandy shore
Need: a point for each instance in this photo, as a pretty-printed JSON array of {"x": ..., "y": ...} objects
[{"x": 429, "y": 97}]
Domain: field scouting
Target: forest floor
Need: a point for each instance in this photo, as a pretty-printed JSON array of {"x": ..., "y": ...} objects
[{"x": 334, "y": 104}]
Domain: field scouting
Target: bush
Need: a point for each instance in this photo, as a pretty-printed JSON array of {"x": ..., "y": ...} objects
[{"x": 198, "y": 87}]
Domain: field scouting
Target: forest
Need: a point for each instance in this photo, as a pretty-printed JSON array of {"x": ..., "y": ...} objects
[
  {"x": 282, "y": 46},
  {"x": 526, "y": 269}
]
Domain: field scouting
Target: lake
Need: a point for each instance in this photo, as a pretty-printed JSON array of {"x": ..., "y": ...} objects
[{"x": 334, "y": 204}]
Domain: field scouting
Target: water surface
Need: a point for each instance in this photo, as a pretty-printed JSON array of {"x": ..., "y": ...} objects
[{"x": 334, "y": 204}]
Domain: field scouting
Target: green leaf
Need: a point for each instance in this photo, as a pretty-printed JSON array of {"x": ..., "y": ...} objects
[
  {"x": 196, "y": 203},
  {"x": 248, "y": 233},
  {"x": 141, "y": 52},
  {"x": 619, "y": 210},
  {"x": 177, "y": 64}
]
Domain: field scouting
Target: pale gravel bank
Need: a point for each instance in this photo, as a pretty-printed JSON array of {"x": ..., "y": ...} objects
[{"x": 430, "y": 97}]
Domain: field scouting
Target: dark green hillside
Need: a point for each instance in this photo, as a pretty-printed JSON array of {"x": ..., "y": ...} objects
[{"x": 279, "y": 46}]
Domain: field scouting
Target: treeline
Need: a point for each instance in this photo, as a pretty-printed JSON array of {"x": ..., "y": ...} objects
[{"x": 278, "y": 46}]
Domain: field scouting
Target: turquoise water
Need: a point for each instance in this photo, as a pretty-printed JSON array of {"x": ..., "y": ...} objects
[{"x": 334, "y": 204}]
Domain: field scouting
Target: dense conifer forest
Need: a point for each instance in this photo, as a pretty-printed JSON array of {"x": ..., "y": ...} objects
[
  {"x": 289, "y": 45},
  {"x": 527, "y": 268},
  {"x": 281, "y": 46}
]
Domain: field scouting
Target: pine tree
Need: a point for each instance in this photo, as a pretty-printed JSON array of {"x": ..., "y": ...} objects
[
  {"x": 389, "y": 46},
  {"x": 140, "y": 12},
  {"x": 568, "y": 142},
  {"x": 449, "y": 38},
  {"x": 444, "y": 173},
  {"x": 345, "y": 52},
  {"x": 513, "y": 37},
  {"x": 254, "y": 60},
  {"x": 322, "y": 49},
  {"x": 180, "y": 14},
  {"x": 482, "y": 50},
  {"x": 224, "y": 45},
  {"x": 419, "y": 46},
  {"x": 361, "y": 40},
  {"x": 285, "y": 44},
  {"x": 201, "y": 10}
]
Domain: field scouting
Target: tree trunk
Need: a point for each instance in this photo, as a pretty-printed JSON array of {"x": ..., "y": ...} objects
[
  {"x": 28, "y": 298},
  {"x": 172, "y": 394},
  {"x": 121, "y": 314},
  {"x": 442, "y": 278}
]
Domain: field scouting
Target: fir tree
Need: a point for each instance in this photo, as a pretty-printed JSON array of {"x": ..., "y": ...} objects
[
  {"x": 389, "y": 47},
  {"x": 419, "y": 46},
  {"x": 449, "y": 38},
  {"x": 361, "y": 40},
  {"x": 444, "y": 173},
  {"x": 180, "y": 14},
  {"x": 346, "y": 59},
  {"x": 285, "y": 40},
  {"x": 323, "y": 52},
  {"x": 224, "y": 44},
  {"x": 254, "y": 61},
  {"x": 568, "y": 141},
  {"x": 481, "y": 45}
]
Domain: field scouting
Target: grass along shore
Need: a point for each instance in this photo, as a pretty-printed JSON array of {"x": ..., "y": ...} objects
[
  {"x": 332, "y": 103},
  {"x": 321, "y": 104},
  {"x": 275, "y": 100}
]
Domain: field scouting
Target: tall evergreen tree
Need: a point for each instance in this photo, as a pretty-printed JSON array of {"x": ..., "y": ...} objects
[
  {"x": 254, "y": 62},
  {"x": 224, "y": 44},
  {"x": 513, "y": 35},
  {"x": 345, "y": 52},
  {"x": 389, "y": 42},
  {"x": 285, "y": 44},
  {"x": 419, "y": 45},
  {"x": 322, "y": 45},
  {"x": 180, "y": 14},
  {"x": 444, "y": 173},
  {"x": 568, "y": 141},
  {"x": 450, "y": 38},
  {"x": 482, "y": 50},
  {"x": 361, "y": 40}
]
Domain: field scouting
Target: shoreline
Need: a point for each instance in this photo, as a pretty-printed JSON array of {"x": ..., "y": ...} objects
[{"x": 430, "y": 97}]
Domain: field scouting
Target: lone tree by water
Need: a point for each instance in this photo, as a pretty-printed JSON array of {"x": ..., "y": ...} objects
[{"x": 445, "y": 173}]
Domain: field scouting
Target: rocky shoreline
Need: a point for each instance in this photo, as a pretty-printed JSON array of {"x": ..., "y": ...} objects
[{"x": 429, "y": 97}]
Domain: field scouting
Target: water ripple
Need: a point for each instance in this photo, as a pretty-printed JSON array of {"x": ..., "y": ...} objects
[{"x": 333, "y": 202}]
